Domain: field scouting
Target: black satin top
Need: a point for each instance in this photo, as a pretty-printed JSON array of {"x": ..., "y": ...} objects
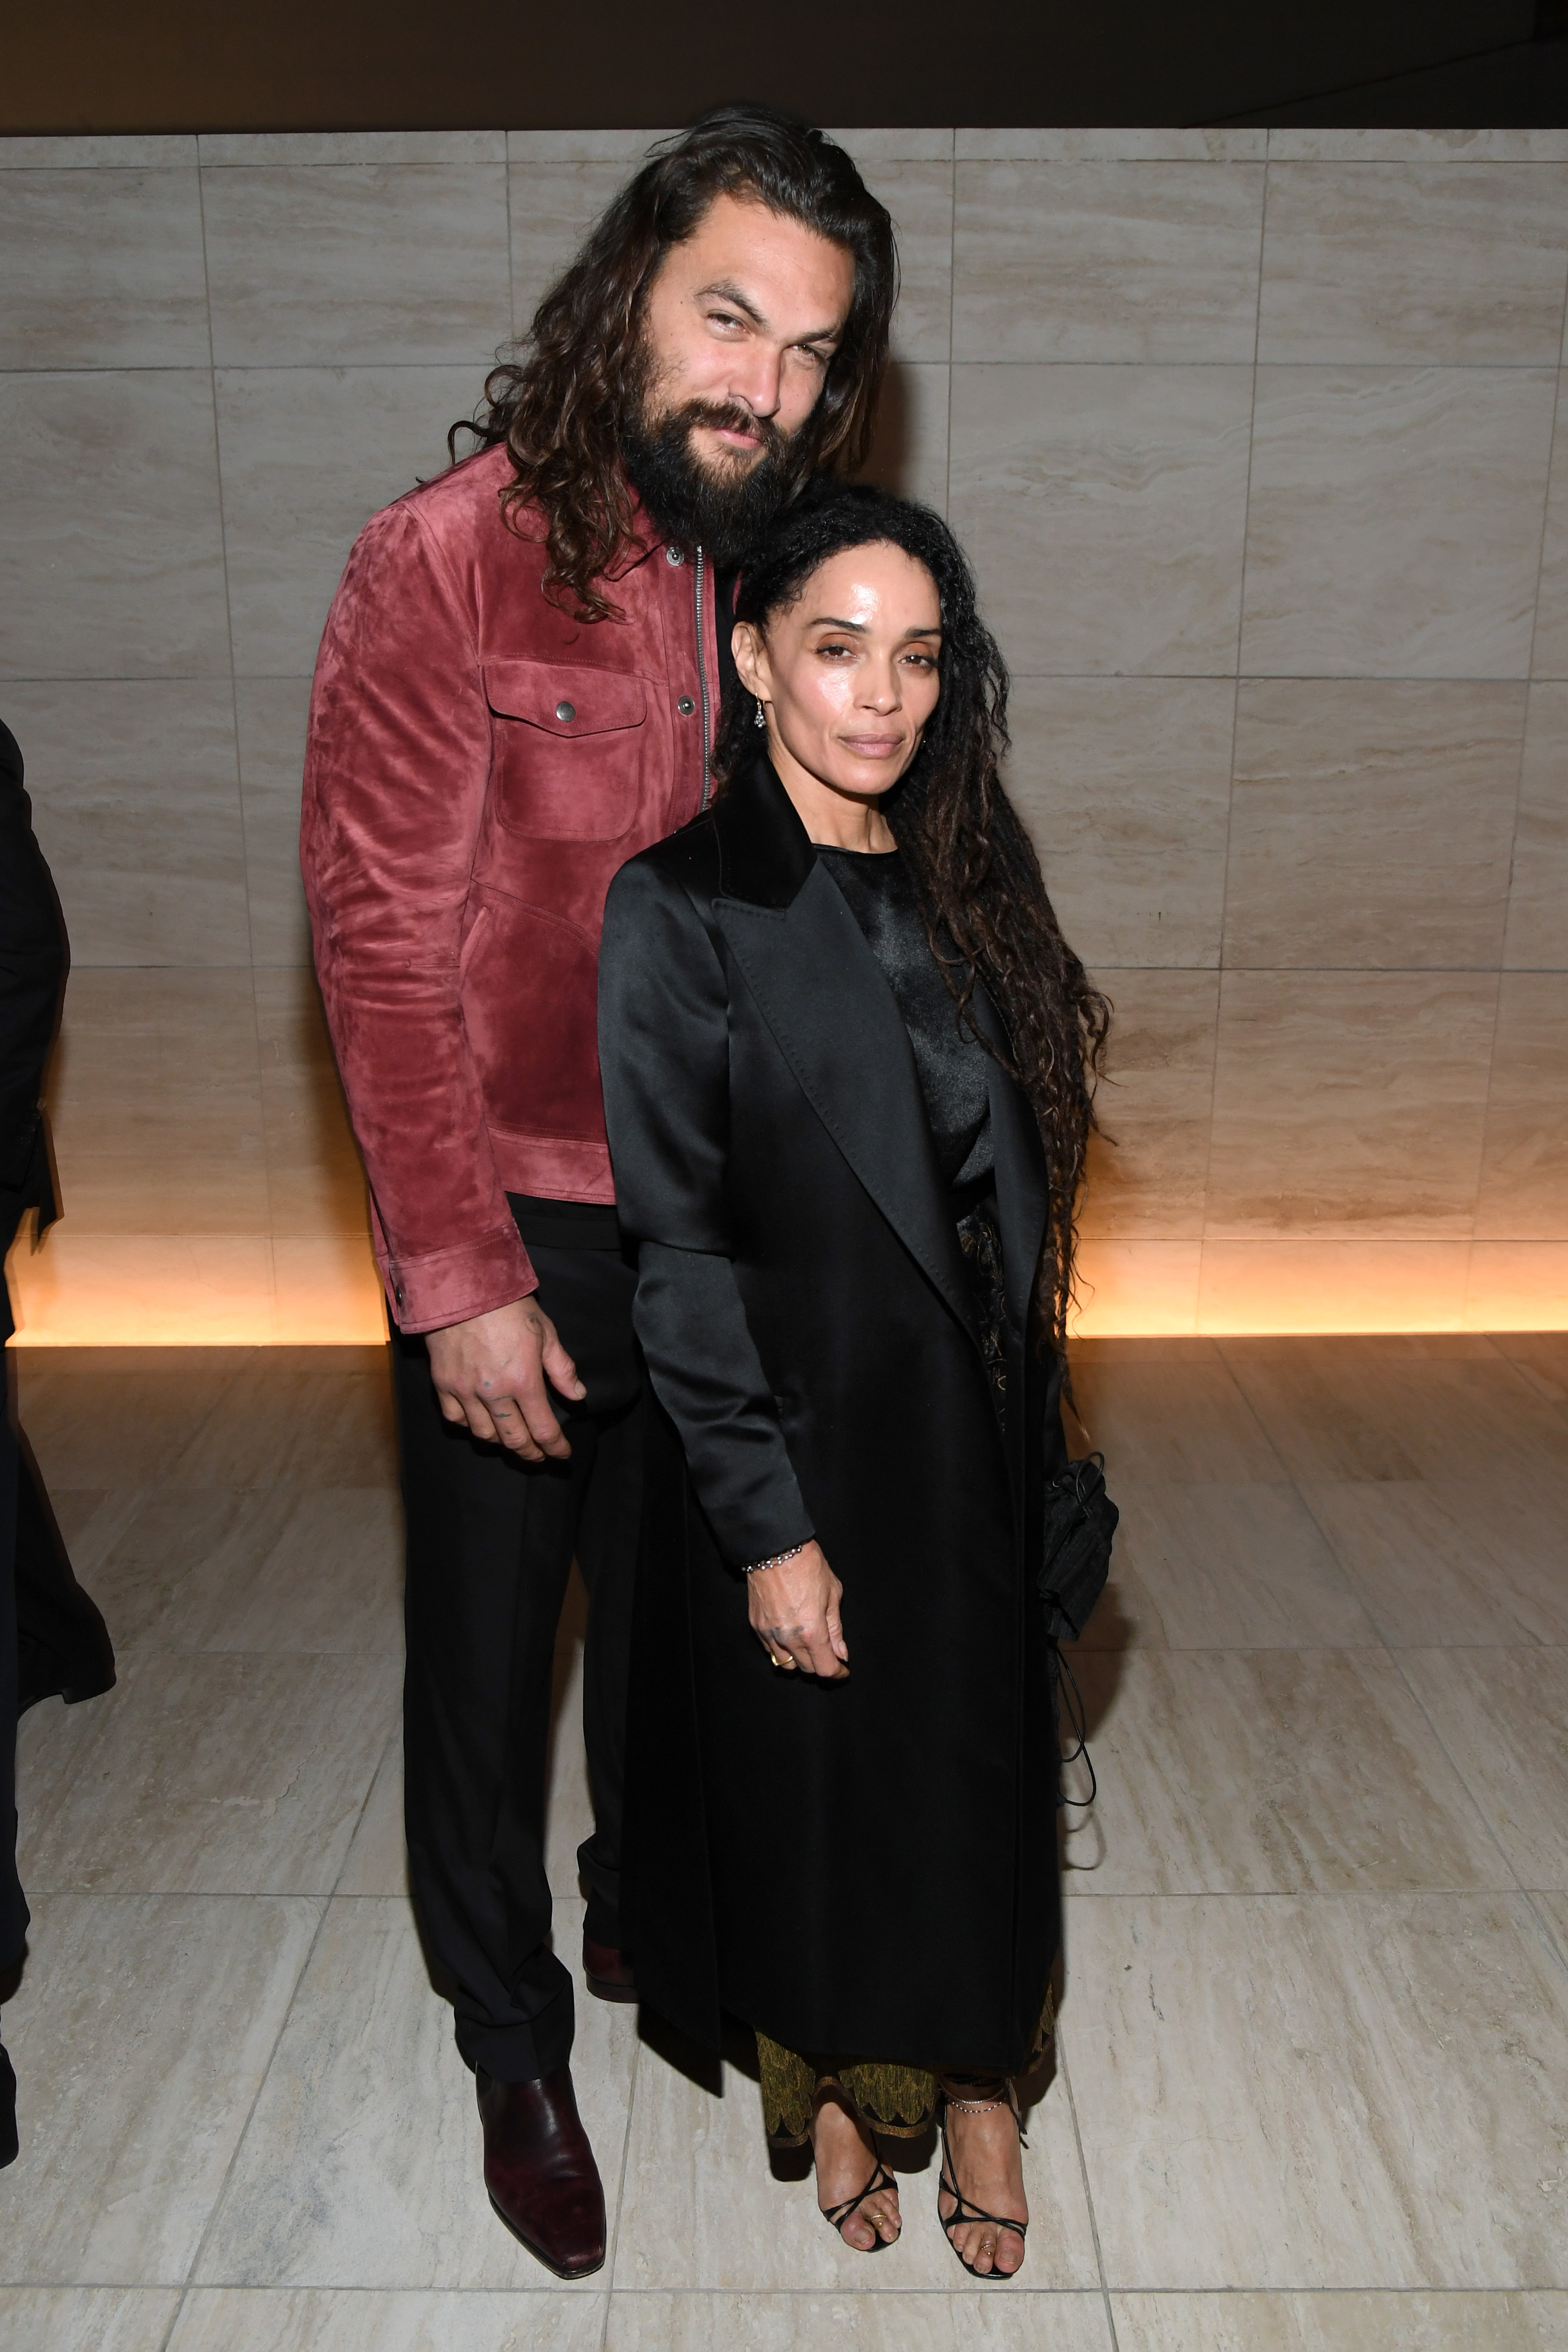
[{"x": 952, "y": 1063}]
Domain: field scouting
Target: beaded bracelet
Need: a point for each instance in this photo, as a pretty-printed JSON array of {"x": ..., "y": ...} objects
[{"x": 776, "y": 1560}]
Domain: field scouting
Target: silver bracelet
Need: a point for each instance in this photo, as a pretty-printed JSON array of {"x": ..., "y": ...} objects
[{"x": 776, "y": 1560}]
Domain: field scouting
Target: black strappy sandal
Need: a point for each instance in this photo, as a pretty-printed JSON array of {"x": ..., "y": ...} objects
[
  {"x": 964, "y": 2212},
  {"x": 837, "y": 2215}
]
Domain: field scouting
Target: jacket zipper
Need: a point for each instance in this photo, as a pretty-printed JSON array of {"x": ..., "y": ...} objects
[{"x": 701, "y": 677}]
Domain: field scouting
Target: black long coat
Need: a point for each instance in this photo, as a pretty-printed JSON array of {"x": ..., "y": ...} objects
[{"x": 866, "y": 1867}]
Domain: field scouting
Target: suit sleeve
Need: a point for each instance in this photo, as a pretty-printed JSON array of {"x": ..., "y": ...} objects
[
  {"x": 664, "y": 1057},
  {"x": 396, "y": 770}
]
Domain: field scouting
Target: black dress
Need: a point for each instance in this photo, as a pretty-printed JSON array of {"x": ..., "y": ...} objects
[{"x": 800, "y": 1130}]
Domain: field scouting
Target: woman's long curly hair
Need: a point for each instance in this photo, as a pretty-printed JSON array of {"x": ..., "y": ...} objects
[
  {"x": 984, "y": 901},
  {"x": 561, "y": 406}
]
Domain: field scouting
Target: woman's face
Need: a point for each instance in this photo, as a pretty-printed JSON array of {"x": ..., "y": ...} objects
[{"x": 848, "y": 674}]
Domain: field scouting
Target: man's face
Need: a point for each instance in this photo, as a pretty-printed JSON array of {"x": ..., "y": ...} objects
[{"x": 741, "y": 323}]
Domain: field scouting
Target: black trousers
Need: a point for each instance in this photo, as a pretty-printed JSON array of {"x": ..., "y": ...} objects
[{"x": 491, "y": 1544}]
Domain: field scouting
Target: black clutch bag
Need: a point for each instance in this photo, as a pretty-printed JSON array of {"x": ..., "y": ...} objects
[{"x": 1081, "y": 1522}]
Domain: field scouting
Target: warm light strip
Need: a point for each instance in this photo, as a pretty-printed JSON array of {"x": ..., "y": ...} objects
[{"x": 107, "y": 1290}]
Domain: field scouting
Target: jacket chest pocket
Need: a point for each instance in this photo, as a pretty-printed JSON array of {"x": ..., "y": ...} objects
[{"x": 568, "y": 748}]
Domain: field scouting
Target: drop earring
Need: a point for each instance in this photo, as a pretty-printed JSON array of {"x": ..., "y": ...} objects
[{"x": 758, "y": 721}]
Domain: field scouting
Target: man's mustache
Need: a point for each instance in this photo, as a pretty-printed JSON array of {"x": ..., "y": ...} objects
[{"x": 730, "y": 417}]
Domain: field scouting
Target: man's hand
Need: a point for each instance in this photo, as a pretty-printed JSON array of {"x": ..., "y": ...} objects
[
  {"x": 492, "y": 1370},
  {"x": 795, "y": 1615}
]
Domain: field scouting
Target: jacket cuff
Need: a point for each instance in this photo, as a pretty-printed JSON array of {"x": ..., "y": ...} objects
[{"x": 442, "y": 1286}]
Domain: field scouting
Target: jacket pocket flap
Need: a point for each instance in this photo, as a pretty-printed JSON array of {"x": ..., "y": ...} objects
[{"x": 564, "y": 701}]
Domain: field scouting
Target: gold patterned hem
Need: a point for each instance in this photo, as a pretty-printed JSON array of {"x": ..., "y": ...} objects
[{"x": 899, "y": 2101}]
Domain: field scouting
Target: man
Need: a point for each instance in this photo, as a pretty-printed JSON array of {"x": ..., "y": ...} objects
[
  {"x": 516, "y": 692},
  {"x": 52, "y": 1639}
]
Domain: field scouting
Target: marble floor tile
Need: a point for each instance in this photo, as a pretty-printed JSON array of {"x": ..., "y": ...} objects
[
  {"x": 1553, "y": 1910},
  {"x": 918, "y": 192},
  {"x": 1124, "y": 784},
  {"x": 361, "y": 2164},
  {"x": 270, "y": 714},
  {"x": 323, "y": 2320},
  {"x": 1414, "y": 261},
  {"x": 307, "y": 455},
  {"x": 354, "y": 264},
  {"x": 1134, "y": 479},
  {"x": 1361, "y": 1419},
  {"x": 1121, "y": 261},
  {"x": 1548, "y": 1376},
  {"x": 101, "y": 269},
  {"x": 1223, "y": 1568},
  {"x": 1371, "y": 822},
  {"x": 1330, "y": 2092},
  {"x": 909, "y": 444},
  {"x": 1271, "y": 1772},
  {"x": 1349, "y": 1105},
  {"x": 135, "y": 791},
  {"x": 1182, "y": 1420},
  {"x": 86, "y": 2318},
  {"x": 112, "y": 564},
  {"x": 257, "y": 1568},
  {"x": 1524, "y": 1165},
  {"x": 1409, "y": 2322},
  {"x": 1504, "y": 1717},
  {"x": 1393, "y": 520},
  {"x": 378, "y": 1861},
  {"x": 208, "y": 1774},
  {"x": 701, "y": 2209},
  {"x": 90, "y": 1520},
  {"x": 553, "y": 202},
  {"x": 874, "y": 2320},
  {"x": 301, "y": 1416},
  {"x": 1452, "y": 1562},
  {"x": 141, "y": 2035},
  {"x": 1148, "y": 1163},
  {"x": 117, "y": 1428}
]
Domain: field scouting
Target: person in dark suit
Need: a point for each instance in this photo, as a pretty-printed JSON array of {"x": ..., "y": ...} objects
[
  {"x": 848, "y": 1064},
  {"x": 52, "y": 1638}
]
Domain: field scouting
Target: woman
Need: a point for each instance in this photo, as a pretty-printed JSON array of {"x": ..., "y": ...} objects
[{"x": 847, "y": 1060}]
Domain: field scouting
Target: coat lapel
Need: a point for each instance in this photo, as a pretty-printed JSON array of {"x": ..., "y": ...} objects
[{"x": 833, "y": 1016}]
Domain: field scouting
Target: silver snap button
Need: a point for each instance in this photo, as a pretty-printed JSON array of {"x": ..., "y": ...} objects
[
  {"x": 565, "y": 710},
  {"x": 673, "y": 555},
  {"x": 685, "y": 705}
]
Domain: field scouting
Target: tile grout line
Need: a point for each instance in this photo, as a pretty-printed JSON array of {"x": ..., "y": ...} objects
[
  {"x": 234, "y": 720},
  {"x": 612, "y": 2253},
  {"x": 1087, "y": 2193},
  {"x": 951, "y": 299},
  {"x": 189, "y": 2283},
  {"x": 1219, "y": 963}
]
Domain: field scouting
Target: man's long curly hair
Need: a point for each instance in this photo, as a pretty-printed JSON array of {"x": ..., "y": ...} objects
[
  {"x": 987, "y": 913},
  {"x": 560, "y": 405}
]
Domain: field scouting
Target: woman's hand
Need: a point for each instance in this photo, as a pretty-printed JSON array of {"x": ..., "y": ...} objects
[{"x": 794, "y": 1616}]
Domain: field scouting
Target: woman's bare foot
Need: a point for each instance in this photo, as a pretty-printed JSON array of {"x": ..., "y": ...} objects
[
  {"x": 985, "y": 2158},
  {"x": 846, "y": 2159}
]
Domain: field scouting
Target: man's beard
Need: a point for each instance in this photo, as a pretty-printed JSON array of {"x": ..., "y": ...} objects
[{"x": 720, "y": 512}]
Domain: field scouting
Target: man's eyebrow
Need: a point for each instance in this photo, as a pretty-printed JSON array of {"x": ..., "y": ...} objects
[
  {"x": 728, "y": 291},
  {"x": 832, "y": 621}
]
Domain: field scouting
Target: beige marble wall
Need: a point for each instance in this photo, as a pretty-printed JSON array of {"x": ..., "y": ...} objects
[{"x": 1254, "y": 438}]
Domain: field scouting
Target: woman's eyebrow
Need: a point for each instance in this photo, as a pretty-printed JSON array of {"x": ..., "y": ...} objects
[{"x": 832, "y": 621}]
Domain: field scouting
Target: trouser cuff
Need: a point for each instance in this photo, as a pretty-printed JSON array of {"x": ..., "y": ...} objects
[{"x": 520, "y": 2054}]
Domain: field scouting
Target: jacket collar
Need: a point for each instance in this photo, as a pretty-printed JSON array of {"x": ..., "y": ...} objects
[{"x": 765, "y": 854}]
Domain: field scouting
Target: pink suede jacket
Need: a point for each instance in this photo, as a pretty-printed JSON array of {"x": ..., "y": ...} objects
[{"x": 478, "y": 766}]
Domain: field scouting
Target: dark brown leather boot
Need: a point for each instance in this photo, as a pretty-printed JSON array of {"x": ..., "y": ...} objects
[
  {"x": 539, "y": 2170},
  {"x": 608, "y": 1972}
]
